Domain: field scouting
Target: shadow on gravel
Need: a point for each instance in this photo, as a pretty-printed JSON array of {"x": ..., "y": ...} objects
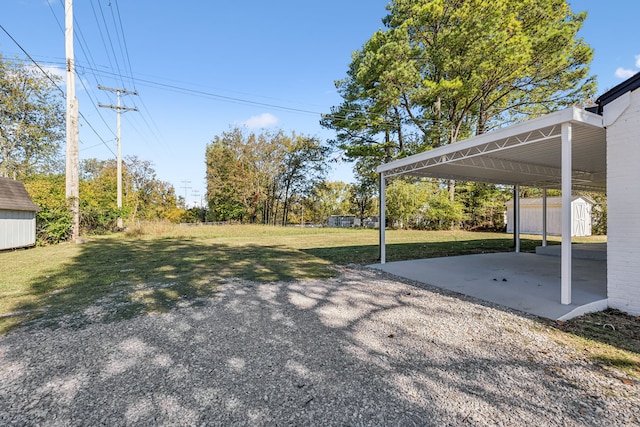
[
  {"x": 358, "y": 350},
  {"x": 118, "y": 279},
  {"x": 611, "y": 327}
]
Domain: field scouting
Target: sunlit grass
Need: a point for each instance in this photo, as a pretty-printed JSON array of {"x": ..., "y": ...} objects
[{"x": 609, "y": 338}]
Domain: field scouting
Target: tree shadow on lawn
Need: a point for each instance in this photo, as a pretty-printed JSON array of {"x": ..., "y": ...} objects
[
  {"x": 370, "y": 254},
  {"x": 118, "y": 279}
]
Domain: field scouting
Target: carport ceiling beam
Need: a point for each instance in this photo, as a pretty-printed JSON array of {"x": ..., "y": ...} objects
[
  {"x": 479, "y": 150},
  {"x": 522, "y": 168}
]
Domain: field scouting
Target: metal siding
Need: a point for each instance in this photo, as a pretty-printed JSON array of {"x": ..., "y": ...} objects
[
  {"x": 17, "y": 229},
  {"x": 531, "y": 218}
]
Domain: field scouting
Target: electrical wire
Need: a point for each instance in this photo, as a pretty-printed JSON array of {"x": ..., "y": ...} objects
[
  {"x": 190, "y": 91},
  {"x": 124, "y": 51},
  {"x": 87, "y": 53},
  {"x": 64, "y": 95}
]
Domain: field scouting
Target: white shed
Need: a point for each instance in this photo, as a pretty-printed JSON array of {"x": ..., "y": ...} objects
[
  {"x": 531, "y": 216},
  {"x": 343, "y": 221},
  {"x": 17, "y": 215}
]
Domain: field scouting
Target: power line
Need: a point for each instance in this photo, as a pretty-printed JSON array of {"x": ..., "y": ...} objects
[
  {"x": 90, "y": 60},
  {"x": 120, "y": 38},
  {"x": 203, "y": 93},
  {"x": 32, "y": 60},
  {"x": 115, "y": 57},
  {"x": 124, "y": 40},
  {"x": 119, "y": 30},
  {"x": 64, "y": 95}
]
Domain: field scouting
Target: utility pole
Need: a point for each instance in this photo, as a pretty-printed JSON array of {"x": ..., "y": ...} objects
[
  {"x": 72, "y": 186},
  {"x": 200, "y": 209},
  {"x": 186, "y": 187},
  {"x": 119, "y": 109}
]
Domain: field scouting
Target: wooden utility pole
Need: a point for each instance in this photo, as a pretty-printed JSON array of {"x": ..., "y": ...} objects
[
  {"x": 118, "y": 109},
  {"x": 72, "y": 180}
]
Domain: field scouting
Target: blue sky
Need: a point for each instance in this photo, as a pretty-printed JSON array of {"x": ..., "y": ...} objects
[{"x": 201, "y": 67}]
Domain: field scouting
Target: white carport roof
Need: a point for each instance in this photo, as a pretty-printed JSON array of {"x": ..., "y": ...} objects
[
  {"x": 565, "y": 150},
  {"x": 526, "y": 154}
]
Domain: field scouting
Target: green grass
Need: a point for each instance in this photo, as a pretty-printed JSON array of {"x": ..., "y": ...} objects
[
  {"x": 158, "y": 267},
  {"x": 608, "y": 338}
]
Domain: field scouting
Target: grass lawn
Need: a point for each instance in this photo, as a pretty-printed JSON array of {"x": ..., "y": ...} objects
[
  {"x": 159, "y": 267},
  {"x": 156, "y": 267}
]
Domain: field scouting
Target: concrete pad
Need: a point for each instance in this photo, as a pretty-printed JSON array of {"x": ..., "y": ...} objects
[
  {"x": 522, "y": 281},
  {"x": 596, "y": 251}
]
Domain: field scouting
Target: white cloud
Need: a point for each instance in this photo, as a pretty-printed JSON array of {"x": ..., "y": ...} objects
[
  {"x": 624, "y": 73},
  {"x": 264, "y": 120},
  {"x": 56, "y": 71},
  {"x": 637, "y": 61},
  {"x": 52, "y": 71}
]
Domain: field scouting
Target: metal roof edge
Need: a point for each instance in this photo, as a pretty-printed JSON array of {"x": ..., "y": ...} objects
[
  {"x": 629, "y": 85},
  {"x": 568, "y": 115},
  {"x": 587, "y": 117}
]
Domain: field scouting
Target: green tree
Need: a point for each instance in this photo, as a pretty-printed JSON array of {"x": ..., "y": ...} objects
[
  {"x": 145, "y": 198},
  {"x": 148, "y": 198},
  {"x": 599, "y": 214},
  {"x": 443, "y": 70},
  {"x": 362, "y": 197},
  {"x": 483, "y": 204},
  {"x": 303, "y": 167},
  {"x": 440, "y": 212},
  {"x": 240, "y": 170},
  {"x": 53, "y": 221},
  {"x": 31, "y": 121},
  {"x": 258, "y": 176},
  {"x": 404, "y": 201},
  {"x": 328, "y": 198},
  {"x": 98, "y": 190}
]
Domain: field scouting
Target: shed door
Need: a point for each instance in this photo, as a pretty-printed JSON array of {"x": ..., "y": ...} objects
[{"x": 580, "y": 220}]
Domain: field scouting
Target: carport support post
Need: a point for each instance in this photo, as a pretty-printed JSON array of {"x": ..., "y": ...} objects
[
  {"x": 565, "y": 259},
  {"x": 382, "y": 219},
  {"x": 516, "y": 217},
  {"x": 544, "y": 217}
]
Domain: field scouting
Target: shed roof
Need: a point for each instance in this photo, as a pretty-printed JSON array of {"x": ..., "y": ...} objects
[
  {"x": 527, "y": 154},
  {"x": 14, "y": 197}
]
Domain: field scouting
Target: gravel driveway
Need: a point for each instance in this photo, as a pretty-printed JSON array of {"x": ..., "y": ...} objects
[{"x": 364, "y": 348}]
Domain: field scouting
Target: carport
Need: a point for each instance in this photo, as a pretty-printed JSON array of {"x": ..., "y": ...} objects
[{"x": 564, "y": 150}]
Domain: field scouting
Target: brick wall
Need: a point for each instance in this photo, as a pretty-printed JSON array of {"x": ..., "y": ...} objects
[{"x": 622, "y": 118}]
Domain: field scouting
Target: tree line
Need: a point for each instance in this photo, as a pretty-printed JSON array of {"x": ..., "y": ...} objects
[{"x": 276, "y": 178}]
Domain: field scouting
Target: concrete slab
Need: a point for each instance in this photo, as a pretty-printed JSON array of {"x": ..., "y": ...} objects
[
  {"x": 522, "y": 281},
  {"x": 596, "y": 251}
]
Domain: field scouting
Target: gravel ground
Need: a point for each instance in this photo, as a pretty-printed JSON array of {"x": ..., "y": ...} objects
[{"x": 364, "y": 348}]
